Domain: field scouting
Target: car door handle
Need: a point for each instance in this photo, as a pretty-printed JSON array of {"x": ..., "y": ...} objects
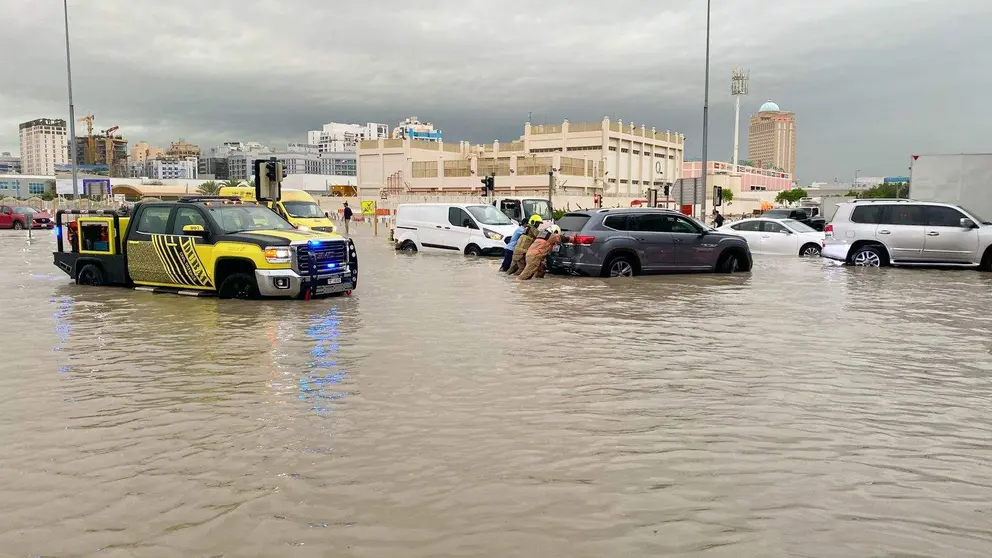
[
  {"x": 933, "y": 233},
  {"x": 447, "y": 228},
  {"x": 437, "y": 226},
  {"x": 883, "y": 232}
]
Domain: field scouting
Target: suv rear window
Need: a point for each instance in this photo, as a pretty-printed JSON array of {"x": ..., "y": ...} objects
[
  {"x": 867, "y": 214},
  {"x": 572, "y": 221}
]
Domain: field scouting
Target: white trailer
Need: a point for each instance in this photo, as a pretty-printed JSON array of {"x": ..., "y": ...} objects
[{"x": 962, "y": 179}]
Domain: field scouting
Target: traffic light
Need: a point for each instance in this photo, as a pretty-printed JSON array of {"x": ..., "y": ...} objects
[
  {"x": 488, "y": 183},
  {"x": 268, "y": 180},
  {"x": 717, "y": 196},
  {"x": 668, "y": 190}
]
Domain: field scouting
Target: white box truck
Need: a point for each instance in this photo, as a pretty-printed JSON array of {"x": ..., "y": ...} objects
[{"x": 961, "y": 179}]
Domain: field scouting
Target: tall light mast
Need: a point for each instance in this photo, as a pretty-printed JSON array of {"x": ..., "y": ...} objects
[{"x": 738, "y": 88}]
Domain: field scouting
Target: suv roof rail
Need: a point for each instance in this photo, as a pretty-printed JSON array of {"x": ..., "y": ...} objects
[
  {"x": 863, "y": 200},
  {"x": 188, "y": 199}
]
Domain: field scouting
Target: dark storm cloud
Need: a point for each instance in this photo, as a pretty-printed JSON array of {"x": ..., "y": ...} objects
[{"x": 870, "y": 81}]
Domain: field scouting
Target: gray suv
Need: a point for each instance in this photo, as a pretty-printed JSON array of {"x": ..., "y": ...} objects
[
  {"x": 878, "y": 232},
  {"x": 631, "y": 241}
]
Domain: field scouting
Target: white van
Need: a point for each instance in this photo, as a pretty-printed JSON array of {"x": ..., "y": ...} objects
[{"x": 470, "y": 229}]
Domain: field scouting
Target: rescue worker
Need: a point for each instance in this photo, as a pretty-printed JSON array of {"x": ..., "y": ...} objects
[
  {"x": 508, "y": 251},
  {"x": 539, "y": 251},
  {"x": 523, "y": 243}
]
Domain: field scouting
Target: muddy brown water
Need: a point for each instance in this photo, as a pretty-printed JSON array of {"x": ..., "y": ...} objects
[{"x": 804, "y": 409}]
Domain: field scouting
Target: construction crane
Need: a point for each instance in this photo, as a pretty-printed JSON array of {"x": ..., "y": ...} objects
[
  {"x": 90, "y": 154},
  {"x": 108, "y": 142}
]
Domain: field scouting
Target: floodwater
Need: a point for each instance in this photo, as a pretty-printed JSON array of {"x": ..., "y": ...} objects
[{"x": 801, "y": 410}]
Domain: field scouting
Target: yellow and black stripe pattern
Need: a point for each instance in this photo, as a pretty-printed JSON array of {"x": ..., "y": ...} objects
[{"x": 182, "y": 263}]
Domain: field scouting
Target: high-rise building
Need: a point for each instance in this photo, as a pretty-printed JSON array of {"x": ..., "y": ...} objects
[
  {"x": 772, "y": 139},
  {"x": 44, "y": 144},
  {"x": 343, "y": 138},
  {"x": 142, "y": 152},
  {"x": 183, "y": 149},
  {"x": 414, "y": 129},
  {"x": 167, "y": 167}
]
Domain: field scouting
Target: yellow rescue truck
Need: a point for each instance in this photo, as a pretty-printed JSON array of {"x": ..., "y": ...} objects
[
  {"x": 204, "y": 245},
  {"x": 296, "y": 206}
]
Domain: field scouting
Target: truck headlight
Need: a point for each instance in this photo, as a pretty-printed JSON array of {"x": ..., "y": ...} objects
[
  {"x": 278, "y": 255},
  {"x": 492, "y": 235}
]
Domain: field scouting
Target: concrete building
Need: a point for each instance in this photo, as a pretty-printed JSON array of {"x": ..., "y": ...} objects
[
  {"x": 99, "y": 150},
  {"x": 183, "y": 150},
  {"x": 44, "y": 144},
  {"x": 22, "y": 187},
  {"x": 609, "y": 158},
  {"x": 142, "y": 152},
  {"x": 9, "y": 164},
  {"x": 166, "y": 167},
  {"x": 772, "y": 138},
  {"x": 341, "y": 138},
  {"x": 743, "y": 178},
  {"x": 414, "y": 129}
]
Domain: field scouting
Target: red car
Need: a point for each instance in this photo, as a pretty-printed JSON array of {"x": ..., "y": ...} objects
[{"x": 17, "y": 217}]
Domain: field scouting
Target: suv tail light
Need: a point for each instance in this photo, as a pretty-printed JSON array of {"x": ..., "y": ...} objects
[
  {"x": 828, "y": 231},
  {"x": 583, "y": 240}
]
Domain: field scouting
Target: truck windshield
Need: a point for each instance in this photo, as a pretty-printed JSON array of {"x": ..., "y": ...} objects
[
  {"x": 539, "y": 207},
  {"x": 488, "y": 215},
  {"x": 303, "y": 209},
  {"x": 240, "y": 218}
]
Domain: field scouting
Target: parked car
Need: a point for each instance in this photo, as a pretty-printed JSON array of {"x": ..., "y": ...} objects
[
  {"x": 631, "y": 241},
  {"x": 879, "y": 232},
  {"x": 777, "y": 236},
  {"x": 802, "y": 215},
  {"x": 18, "y": 217},
  {"x": 470, "y": 229}
]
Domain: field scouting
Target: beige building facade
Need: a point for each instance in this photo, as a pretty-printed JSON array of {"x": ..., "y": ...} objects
[
  {"x": 772, "y": 138},
  {"x": 44, "y": 144},
  {"x": 141, "y": 152},
  {"x": 607, "y": 158}
]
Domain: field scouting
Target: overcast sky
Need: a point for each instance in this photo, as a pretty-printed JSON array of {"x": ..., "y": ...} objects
[{"x": 871, "y": 81}]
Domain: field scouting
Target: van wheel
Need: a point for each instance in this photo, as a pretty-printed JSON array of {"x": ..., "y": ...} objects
[
  {"x": 408, "y": 246},
  {"x": 473, "y": 250},
  {"x": 90, "y": 275},
  {"x": 239, "y": 285}
]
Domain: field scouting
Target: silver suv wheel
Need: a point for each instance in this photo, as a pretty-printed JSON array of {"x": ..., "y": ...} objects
[{"x": 867, "y": 258}]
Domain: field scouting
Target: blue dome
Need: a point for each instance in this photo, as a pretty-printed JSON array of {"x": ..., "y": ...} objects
[{"x": 769, "y": 107}]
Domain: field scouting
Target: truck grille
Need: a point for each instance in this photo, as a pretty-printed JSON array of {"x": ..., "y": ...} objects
[{"x": 328, "y": 256}]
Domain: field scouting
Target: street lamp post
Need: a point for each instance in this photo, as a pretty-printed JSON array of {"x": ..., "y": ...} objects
[
  {"x": 72, "y": 110},
  {"x": 706, "y": 110},
  {"x": 855, "y": 185}
]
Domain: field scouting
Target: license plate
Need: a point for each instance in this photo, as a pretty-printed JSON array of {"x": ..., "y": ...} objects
[
  {"x": 556, "y": 248},
  {"x": 334, "y": 281}
]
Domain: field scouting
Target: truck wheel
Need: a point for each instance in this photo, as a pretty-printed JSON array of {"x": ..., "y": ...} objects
[
  {"x": 473, "y": 250},
  {"x": 18, "y": 226},
  {"x": 408, "y": 246},
  {"x": 239, "y": 285},
  {"x": 90, "y": 275}
]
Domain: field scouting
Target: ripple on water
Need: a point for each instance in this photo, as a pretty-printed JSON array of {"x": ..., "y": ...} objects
[{"x": 803, "y": 409}]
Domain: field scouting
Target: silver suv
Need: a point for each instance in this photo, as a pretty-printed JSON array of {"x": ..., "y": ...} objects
[
  {"x": 631, "y": 241},
  {"x": 878, "y": 232}
]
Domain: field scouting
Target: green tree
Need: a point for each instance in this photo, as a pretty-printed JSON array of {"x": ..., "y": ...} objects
[
  {"x": 728, "y": 196},
  {"x": 208, "y": 188},
  {"x": 888, "y": 190},
  {"x": 233, "y": 183},
  {"x": 791, "y": 196}
]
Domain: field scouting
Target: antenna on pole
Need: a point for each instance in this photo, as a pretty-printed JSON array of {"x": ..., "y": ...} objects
[{"x": 738, "y": 88}]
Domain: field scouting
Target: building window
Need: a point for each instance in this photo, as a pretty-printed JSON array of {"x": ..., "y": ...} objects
[{"x": 36, "y": 188}]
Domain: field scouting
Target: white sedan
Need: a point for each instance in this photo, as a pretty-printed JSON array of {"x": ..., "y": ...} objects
[{"x": 777, "y": 236}]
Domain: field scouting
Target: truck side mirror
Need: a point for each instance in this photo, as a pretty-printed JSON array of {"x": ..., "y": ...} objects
[{"x": 195, "y": 230}]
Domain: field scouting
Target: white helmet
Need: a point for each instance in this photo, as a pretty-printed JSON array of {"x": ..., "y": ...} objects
[{"x": 554, "y": 229}]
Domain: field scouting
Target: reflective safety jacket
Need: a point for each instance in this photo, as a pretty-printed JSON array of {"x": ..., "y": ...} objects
[{"x": 542, "y": 246}]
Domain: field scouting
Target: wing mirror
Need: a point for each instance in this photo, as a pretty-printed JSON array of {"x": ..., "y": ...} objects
[
  {"x": 786, "y": 231},
  {"x": 195, "y": 230},
  {"x": 967, "y": 223}
]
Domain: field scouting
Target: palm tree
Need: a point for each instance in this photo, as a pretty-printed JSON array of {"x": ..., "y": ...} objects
[
  {"x": 209, "y": 188},
  {"x": 233, "y": 183}
]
